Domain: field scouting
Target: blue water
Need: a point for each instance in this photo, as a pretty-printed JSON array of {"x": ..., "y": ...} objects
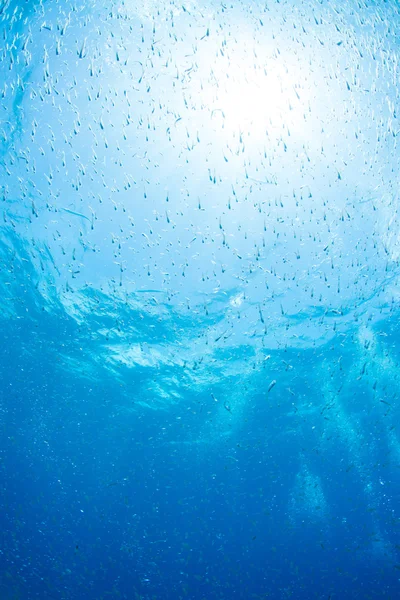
[{"x": 199, "y": 271}]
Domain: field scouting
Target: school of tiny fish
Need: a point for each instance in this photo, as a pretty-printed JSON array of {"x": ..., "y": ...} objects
[{"x": 209, "y": 189}]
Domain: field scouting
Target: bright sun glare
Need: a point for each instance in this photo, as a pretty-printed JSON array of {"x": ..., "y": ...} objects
[{"x": 256, "y": 98}]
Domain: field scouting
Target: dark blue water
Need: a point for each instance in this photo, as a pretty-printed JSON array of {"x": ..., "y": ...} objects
[{"x": 199, "y": 287}]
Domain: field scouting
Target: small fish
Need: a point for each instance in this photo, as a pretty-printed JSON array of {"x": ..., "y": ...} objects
[
  {"x": 220, "y": 336},
  {"x": 387, "y": 403},
  {"x": 76, "y": 214},
  {"x": 271, "y": 385},
  {"x": 82, "y": 52}
]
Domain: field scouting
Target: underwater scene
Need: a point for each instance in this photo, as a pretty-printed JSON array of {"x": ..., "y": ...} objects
[{"x": 199, "y": 300}]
